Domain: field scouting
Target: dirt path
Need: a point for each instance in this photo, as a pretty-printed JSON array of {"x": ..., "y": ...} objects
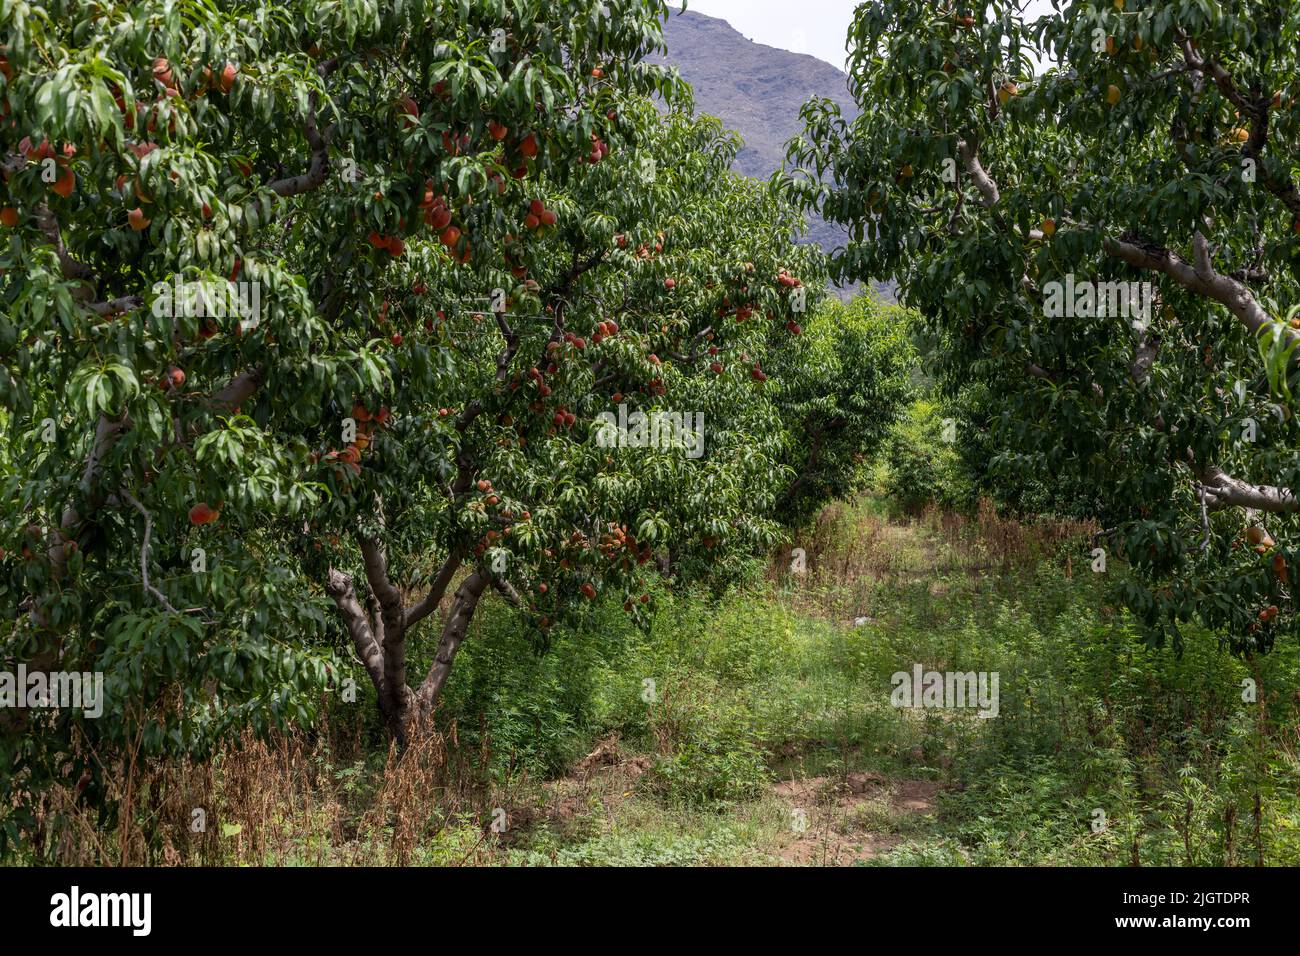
[
  {"x": 840, "y": 821},
  {"x": 824, "y": 821}
]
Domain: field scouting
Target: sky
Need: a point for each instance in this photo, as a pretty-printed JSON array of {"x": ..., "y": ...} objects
[{"x": 815, "y": 27}]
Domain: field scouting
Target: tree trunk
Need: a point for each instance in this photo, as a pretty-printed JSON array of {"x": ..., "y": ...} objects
[
  {"x": 453, "y": 633},
  {"x": 380, "y": 639},
  {"x": 340, "y": 588}
]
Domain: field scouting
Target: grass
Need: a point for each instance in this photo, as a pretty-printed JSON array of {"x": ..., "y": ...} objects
[{"x": 758, "y": 729}]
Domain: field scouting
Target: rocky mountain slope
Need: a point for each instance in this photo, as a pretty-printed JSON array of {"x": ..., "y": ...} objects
[{"x": 754, "y": 89}]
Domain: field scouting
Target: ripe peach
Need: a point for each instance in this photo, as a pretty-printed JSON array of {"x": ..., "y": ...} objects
[
  {"x": 228, "y": 74},
  {"x": 202, "y": 514},
  {"x": 162, "y": 72},
  {"x": 64, "y": 185}
]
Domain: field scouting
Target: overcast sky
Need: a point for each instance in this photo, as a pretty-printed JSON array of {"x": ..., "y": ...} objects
[{"x": 816, "y": 27}]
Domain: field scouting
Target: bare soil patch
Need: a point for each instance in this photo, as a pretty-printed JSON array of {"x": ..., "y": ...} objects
[{"x": 837, "y": 821}]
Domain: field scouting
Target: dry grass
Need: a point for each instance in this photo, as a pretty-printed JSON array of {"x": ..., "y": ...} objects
[
  {"x": 293, "y": 800},
  {"x": 852, "y": 548}
]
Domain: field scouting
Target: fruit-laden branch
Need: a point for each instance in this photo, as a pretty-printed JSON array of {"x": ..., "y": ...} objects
[
  {"x": 1200, "y": 276},
  {"x": 557, "y": 293},
  {"x": 107, "y": 432},
  {"x": 48, "y": 224},
  {"x": 1285, "y": 188}
]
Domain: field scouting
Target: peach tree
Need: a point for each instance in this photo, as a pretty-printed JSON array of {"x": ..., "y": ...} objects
[
  {"x": 322, "y": 322},
  {"x": 587, "y": 409},
  {"x": 1097, "y": 211},
  {"x": 842, "y": 385}
]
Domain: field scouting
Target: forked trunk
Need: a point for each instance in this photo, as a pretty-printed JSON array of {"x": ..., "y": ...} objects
[{"x": 380, "y": 642}]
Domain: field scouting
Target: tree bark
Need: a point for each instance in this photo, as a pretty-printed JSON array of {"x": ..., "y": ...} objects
[
  {"x": 453, "y": 634},
  {"x": 340, "y": 588},
  {"x": 1224, "y": 491},
  {"x": 405, "y": 710}
]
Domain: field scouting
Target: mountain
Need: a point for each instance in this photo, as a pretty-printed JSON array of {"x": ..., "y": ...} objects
[{"x": 755, "y": 90}]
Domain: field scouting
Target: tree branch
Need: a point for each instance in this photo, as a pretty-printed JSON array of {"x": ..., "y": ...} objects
[
  {"x": 1221, "y": 491},
  {"x": 339, "y": 587},
  {"x": 418, "y": 612},
  {"x": 1284, "y": 189},
  {"x": 375, "y": 562},
  {"x": 988, "y": 189},
  {"x": 319, "y": 143},
  {"x": 144, "y": 550},
  {"x": 1200, "y": 278},
  {"x": 507, "y": 591},
  {"x": 453, "y": 633},
  {"x": 240, "y": 388},
  {"x": 126, "y": 303}
]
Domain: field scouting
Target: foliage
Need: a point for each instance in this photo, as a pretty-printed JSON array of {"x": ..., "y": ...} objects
[
  {"x": 773, "y": 686},
  {"x": 842, "y": 384},
  {"x": 1153, "y": 149},
  {"x": 442, "y": 280},
  {"x": 922, "y": 465}
]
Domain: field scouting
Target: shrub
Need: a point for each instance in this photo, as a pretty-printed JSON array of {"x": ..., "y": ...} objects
[{"x": 922, "y": 467}]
